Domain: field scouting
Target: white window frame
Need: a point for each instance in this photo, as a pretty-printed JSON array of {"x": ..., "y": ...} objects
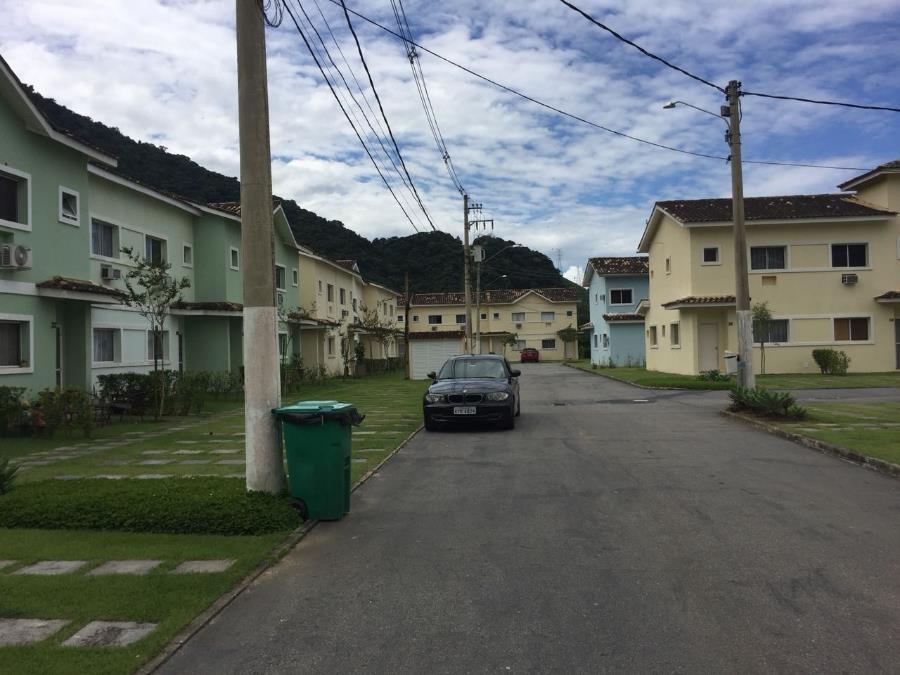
[
  {"x": 295, "y": 277},
  {"x": 165, "y": 245},
  {"x": 117, "y": 241},
  {"x": 26, "y": 226},
  {"x": 184, "y": 249},
  {"x": 342, "y": 296},
  {"x": 717, "y": 261},
  {"x": 513, "y": 316},
  {"x": 653, "y": 337},
  {"x": 23, "y": 319},
  {"x": 871, "y": 330},
  {"x": 165, "y": 346},
  {"x": 234, "y": 253},
  {"x": 552, "y": 316},
  {"x": 64, "y": 219},
  {"x": 604, "y": 343},
  {"x": 675, "y": 334},
  {"x": 117, "y": 347},
  {"x": 283, "y": 286},
  {"x": 329, "y": 346},
  {"x": 609, "y": 293},
  {"x": 329, "y": 292}
]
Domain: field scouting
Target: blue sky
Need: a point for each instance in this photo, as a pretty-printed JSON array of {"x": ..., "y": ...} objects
[{"x": 164, "y": 71}]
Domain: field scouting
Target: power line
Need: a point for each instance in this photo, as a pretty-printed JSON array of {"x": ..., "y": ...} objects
[
  {"x": 820, "y": 102},
  {"x": 343, "y": 110},
  {"x": 573, "y": 116},
  {"x": 639, "y": 48},
  {"x": 383, "y": 114}
]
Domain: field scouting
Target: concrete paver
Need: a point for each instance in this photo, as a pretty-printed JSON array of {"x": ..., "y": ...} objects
[
  {"x": 109, "y": 634},
  {"x": 125, "y": 567},
  {"x": 203, "y": 566},
  {"x": 52, "y": 567},
  {"x": 25, "y": 631}
]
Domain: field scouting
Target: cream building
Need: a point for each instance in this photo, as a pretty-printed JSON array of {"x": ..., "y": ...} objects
[
  {"x": 380, "y": 306},
  {"x": 827, "y": 265},
  {"x": 510, "y": 320}
]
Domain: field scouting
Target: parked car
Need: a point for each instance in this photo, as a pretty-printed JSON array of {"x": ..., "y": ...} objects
[
  {"x": 479, "y": 388},
  {"x": 530, "y": 354}
]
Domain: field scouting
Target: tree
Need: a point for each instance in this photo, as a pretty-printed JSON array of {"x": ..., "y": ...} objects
[
  {"x": 383, "y": 330},
  {"x": 762, "y": 326},
  {"x": 152, "y": 290}
]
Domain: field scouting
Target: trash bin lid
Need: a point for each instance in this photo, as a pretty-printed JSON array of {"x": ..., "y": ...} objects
[{"x": 313, "y": 407}]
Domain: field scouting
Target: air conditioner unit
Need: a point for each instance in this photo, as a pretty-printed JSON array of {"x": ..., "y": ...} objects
[
  {"x": 434, "y": 328},
  {"x": 849, "y": 279},
  {"x": 15, "y": 257},
  {"x": 518, "y": 325},
  {"x": 108, "y": 273}
]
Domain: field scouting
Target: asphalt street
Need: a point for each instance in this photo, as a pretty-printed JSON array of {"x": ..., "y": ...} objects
[{"x": 614, "y": 530}]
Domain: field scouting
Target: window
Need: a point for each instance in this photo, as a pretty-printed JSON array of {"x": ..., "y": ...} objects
[
  {"x": 158, "y": 349},
  {"x": 460, "y": 318},
  {"x": 320, "y": 285},
  {"x": 354, "y": 304},
  {"x": 767, "y": 258},
  {"x": 280, "y": 277},
  {"x": 664, "y": 330},
  {"x": 711, "y": 255},
  {"x": 606, "y": 341},
  {"x": 596, "y": 343},
  {"x": 106, "y": 345},
  {"x": 548, "y": 316},
  {"x": 483, "y": 316},
  {"x": 620, "y": 296},
  {"x": 104, "y": 239},
  {"x": 390, "y": 309},
  {"x": 668, "y": 265},
  {"x": 435, "y": 319},
  {"x": 675, "y": 334},
  {"x": 331, "y": 346},
  {"x": 344, "y": 313},
  {"x": 282, "y": 344},
  {"x": 848, "y": 255},
  {"x": 187, "y": 255},
  {"x": 399, "y": 318},
  {"x": 415, "y": 317},
  {"x": 652, "y": 334},
  {"x": 15, "y": 198},
  {"x": 154, "y": 250},
  {"x": 520, "y": 345},
  {"x": 343, "y": 296},
  {"x": 496, "y": 315},
  {"x": 68, "y": 206},
  {"x": 518, "y": 316},
  {"x": 295, "y": 277},
  {"x": 569, "y": 312},
  {"x": 548, "y": 344},
  {"x": 329, "y": 293},
  {"x": 15, "y": 342},
  {"x": 776, "y": 331},
  {"x": 851, "y": 329},
  {"x": 235, "y": 259}
]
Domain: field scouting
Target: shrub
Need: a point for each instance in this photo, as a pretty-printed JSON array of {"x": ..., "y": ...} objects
[
  {"x": 767, "y": 403},
  {"x": 713, "y": 376},
  {"x": 173, "y": 505},
  {"x": 8, "y": 473},
  {"x": 64, "y": 409},
  {"x": 13, "y": 407},
  {"x": 831, "y": 361}
]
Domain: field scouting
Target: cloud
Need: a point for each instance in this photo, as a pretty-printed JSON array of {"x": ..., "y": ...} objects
[{"x": 164, "y": 71}]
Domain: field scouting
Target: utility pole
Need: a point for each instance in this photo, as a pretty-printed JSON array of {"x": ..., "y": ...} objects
[
  {"x": 408, "y": 299},
  {"x": 479, "y": 256},
  {"x": 262, "y": 383},
  {"x": 745, "y": 376},
  {"x": 466, "y": 281}
]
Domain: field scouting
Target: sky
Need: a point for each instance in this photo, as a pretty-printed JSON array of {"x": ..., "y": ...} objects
[{"x": 164, "y": 71}]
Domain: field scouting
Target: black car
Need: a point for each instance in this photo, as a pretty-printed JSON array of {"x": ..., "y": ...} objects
[{"x": 480, "y": 388}]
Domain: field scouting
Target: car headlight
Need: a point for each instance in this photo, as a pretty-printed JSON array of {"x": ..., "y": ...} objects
[
  {"x": 497, "y": 396},
  {"x": 435, "y": 398}
]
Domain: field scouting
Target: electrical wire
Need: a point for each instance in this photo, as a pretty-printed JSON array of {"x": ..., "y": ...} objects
[
  {"x": 820, "y": 102},
  {"x": 265, "y": 6},
  {"x": 383, "y": 114},
  {"x": 573, "y": 116},
  {"x": 346, "y": 115}
]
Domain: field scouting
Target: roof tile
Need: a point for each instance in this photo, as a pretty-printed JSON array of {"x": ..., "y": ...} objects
[{"x": 771, "y": 208}]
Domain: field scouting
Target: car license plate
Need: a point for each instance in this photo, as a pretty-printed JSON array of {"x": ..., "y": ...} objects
[{"x": 464, "y": 411}]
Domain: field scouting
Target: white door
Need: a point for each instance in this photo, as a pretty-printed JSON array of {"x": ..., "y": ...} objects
[
  {"x": 429, "y": 355},
  {"x": 709, "y": 346}
]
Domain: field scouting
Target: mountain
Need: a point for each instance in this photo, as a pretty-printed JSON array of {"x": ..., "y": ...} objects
[{"x": 434, "y": 260}]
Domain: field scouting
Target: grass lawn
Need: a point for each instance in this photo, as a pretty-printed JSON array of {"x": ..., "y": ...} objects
[
  {"x": 185, "y": 446},
  {"x": 652, "y": 378},
  {"x": 872, "y": 429}
]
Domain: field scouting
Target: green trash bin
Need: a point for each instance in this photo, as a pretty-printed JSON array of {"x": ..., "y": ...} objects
[{"x": 317, "y": 443}]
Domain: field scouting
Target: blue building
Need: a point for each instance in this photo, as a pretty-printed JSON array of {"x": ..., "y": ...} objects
[{"x": 616, "y": 287}]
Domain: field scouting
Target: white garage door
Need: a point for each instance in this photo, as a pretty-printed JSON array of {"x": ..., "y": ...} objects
[{"x": 429, "y": 355}]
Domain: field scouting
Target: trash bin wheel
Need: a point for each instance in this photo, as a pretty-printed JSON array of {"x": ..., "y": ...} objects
[{"x": 301, "y": 508}]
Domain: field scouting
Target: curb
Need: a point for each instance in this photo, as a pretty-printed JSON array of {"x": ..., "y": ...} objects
[
  {"x": 635, "y": 384},
  {"x": 211, "y": 612},
  {"x": 879, "y": 465}
]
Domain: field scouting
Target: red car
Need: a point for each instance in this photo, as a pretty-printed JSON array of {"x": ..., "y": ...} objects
[{"x": 530, "y": 354}]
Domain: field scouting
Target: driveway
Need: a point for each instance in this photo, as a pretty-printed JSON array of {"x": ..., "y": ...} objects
[{"x": 616, "y": 529}]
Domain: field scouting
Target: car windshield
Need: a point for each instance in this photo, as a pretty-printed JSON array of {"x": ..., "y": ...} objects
[{"x": 467, "y": 369}]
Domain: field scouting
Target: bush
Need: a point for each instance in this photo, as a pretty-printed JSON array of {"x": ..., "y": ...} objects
[
  {"x": 713, "y": 376},
  {"x": 172, "y": 505},
  {"x": 767, "y": 403},
  {"x": 831, "y": 361},
  {"x": 8, "y": 473},
  {"x": 13, "y": 407},
  {"x": 64, "y": 409}
]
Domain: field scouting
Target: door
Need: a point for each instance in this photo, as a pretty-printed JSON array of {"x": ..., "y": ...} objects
[{"x": 709, "y": 346}]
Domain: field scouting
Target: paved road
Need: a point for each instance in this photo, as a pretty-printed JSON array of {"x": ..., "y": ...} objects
[{"x": 601, "y": 535}]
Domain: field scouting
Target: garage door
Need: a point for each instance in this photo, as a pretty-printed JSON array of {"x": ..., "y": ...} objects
[{"x": 428, "y": 355}]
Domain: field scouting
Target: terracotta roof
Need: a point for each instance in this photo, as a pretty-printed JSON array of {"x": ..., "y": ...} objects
[
  {"x": 623, "y": 265},
  {"x": 496, "y": 297},
  {"x": 80, "y": 285},
  {"x": 210, "y": 306},
  {"x": 702, "y": 300},
  {"x": 887, "y": 167},
  {"x": 771, "y": 208},
  {"x": 586, "y": 326},
  {"x": 890, "y": 296},
  {"x": 348, "y": 264},
  {"x": 433, "y": 335},
  {"x": 623, "y": 317},
  {"x": 234, "y": 208}
]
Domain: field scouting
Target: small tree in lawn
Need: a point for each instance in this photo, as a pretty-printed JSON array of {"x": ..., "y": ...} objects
[
  {"x": 152, "y": 290},
  {"x": 762, "y": 325}
]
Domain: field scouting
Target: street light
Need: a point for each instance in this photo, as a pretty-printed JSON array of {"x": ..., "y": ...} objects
[{"x": 745, "y": 376}]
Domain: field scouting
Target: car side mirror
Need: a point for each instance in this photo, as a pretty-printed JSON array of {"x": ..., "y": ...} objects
[
  {"x": 432, "y": 375},
  {"x": 515, "y": 373}
]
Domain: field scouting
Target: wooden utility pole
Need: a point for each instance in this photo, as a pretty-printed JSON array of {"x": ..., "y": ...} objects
[
  {"x": 407, "y": 299},
  {"x": 745, "y": 376},
  {"x": 262, "y": 382},
  {"x": 467, "y": 282},
  {"x": 478, "y": 300}
]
